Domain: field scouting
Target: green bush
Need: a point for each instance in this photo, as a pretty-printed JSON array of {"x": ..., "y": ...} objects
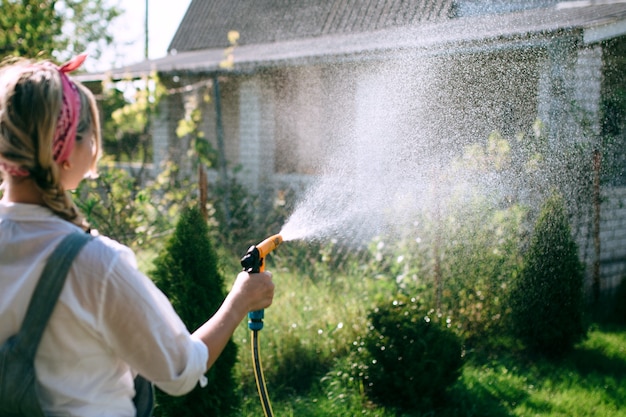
[
  {"x": 480, "y": 257},
  {"x": 547, "y": 298},
  {"x": 136, "y": 214},
  {"x": 461, "y": 263},
  {"x": 410, "y": 356},
  {"x": 187, "y": 272}
]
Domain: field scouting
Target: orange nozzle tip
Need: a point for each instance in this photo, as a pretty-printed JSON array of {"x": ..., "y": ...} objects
[{"x": 269, "y": 245}]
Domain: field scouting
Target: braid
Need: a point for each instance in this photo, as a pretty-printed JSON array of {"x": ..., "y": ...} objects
[{"x": 55, "y": 197}]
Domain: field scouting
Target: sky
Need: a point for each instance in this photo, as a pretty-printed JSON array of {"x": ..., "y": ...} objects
[{"x": 164, "y": 16}]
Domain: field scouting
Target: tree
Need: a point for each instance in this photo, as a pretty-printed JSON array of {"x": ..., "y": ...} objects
[
  {"x": 187, "y": 272},
  {"x": 547, "y": 298},
  {"x": 55, "y": 28}
]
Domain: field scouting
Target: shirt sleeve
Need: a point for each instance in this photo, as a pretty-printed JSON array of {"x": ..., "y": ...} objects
[{"x": 141, "y": 326}]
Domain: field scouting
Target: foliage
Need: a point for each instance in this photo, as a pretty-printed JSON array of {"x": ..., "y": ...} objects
[
  {"x": 480, "y": 260},
  {"x": 411, "y": 355},
  {"x": 111, "y": 204},
  {"x": 55, "y": 28},
  {"x": 229, "y": 57},
  {"x": 461, "y": 254},
  {"x": 141, "y": 215},
  {"x": 28, "y": 27},
  {"x": 127, "y": 127},
  {"x": 244, "y": 218},
  {"x": 187, "y": 272},
  {"x": 494, "y": 383},
  {"x": 138, "y": 216},
  {"x": 201, "y": 151},
  {"x": 462, "y": 268},
  {"x": 547, "y": 298},
  {"x": 315, "y": 322}
]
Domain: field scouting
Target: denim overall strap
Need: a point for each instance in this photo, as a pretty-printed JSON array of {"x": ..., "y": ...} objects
[
  {"x": 18, "y": 395},
  {"x": 47, "y": 292}
]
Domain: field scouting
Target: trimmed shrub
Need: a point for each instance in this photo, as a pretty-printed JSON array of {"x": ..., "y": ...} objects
[
  {"x": 411, "y": 357},
  {"x": 187, "y": 272},
  {"x": 547, "y": 298}
]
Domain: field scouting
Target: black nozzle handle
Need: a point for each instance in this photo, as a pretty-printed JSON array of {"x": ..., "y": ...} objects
[{"x": 252, "y": 262}]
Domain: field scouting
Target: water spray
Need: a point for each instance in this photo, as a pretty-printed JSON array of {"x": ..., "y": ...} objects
[{"x": 254, "y": 261}]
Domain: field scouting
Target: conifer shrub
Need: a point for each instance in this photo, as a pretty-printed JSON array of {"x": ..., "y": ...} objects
[
  {"x": 187, "y": 272},
  {"x": 547, "y": 298},
  {"x": 409, "y": 357}
]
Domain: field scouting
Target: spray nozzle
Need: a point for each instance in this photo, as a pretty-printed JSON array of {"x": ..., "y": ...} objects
[{"x": 253, "y": 261}]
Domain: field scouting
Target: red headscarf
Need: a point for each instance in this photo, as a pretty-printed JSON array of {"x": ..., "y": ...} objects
[{"x": 67, "y": 123}]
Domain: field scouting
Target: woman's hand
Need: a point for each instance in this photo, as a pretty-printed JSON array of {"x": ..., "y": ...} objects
[{"x": 252, "y": 291}]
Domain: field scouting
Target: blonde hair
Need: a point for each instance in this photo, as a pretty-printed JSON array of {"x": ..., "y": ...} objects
[{"x": 30, "y": 102}]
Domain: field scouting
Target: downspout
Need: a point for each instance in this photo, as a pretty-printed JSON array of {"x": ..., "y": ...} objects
[
  {"x": 597, "y": 160},
  {"x": 223, "y": 169}
]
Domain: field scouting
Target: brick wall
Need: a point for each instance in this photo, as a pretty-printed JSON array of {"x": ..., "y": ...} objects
[
  {"x": 588, "y": 77},
  {"x": 161, "y": 134},
  {"x": 256, "y": 133},
  {"x": 613, "y": 238}
]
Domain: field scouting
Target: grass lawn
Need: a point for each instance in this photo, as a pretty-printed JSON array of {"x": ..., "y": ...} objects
[{"x": 591, "y": 381}]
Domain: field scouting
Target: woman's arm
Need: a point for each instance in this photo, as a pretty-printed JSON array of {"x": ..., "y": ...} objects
[{"x": 250, "y": 292}]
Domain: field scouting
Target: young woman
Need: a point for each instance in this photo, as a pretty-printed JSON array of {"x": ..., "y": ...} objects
[{"x": 110, "y": 322}]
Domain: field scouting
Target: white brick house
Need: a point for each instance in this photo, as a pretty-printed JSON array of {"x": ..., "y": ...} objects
[{"x": 302, "y": 68}]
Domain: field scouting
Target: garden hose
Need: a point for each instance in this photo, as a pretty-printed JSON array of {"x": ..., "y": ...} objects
[
  {"x": 252, "y": 262},
  {"x": 259, "y": 377}
]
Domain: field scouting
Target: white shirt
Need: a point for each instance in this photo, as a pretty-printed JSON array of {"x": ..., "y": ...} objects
[{"x": 110, "y": 323}]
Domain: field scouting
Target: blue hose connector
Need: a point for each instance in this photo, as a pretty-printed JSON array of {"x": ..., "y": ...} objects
[{"x": 255, "y": 319}]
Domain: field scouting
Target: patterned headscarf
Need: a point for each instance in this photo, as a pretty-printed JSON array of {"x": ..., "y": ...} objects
[{"x": 67, "y": 122}]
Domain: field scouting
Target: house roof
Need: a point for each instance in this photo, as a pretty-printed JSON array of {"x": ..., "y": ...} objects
[
  {"x": 592, "y": 21},
  {"x": 206, "y": 23}
]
